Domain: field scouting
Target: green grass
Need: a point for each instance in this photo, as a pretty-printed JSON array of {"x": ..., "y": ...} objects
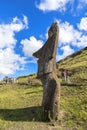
[
  {"x": 74, "y": 103},
  {"x": 77, "y": 65},
  {"x": 33, "y": 79},
  {"x": 20, "y": 104},
  {"x": 20, "y": 108}
]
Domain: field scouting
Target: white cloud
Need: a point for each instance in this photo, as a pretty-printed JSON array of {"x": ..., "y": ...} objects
[
  {"x": 7, "y": 32},
  {"x": 25, "y": 20},
  {"x": 83, "y": 41},
  {"x": 73, "y": 6},
  {"x": 52, "y": 5},
  {"x": 18, "y": 24},
  {"x": 10, "y": 62},
  {"x": 67, "y": 50},
  {"x": 83, "y": 24},
  {"x": 31, "y": 45},
  {"x": 69, "y": 36},
  {"x": 69, "y": 39}
]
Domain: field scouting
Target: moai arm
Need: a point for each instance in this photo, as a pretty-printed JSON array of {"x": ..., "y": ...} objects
[{"x": 47, "y": 73}]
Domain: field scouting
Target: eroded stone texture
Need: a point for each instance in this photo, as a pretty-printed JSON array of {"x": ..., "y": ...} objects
[{"x": 48, "y": 74}]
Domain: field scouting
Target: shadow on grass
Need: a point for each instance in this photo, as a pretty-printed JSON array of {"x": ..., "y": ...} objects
[
  {"x": 23, "y": 114},
  {"x": 35, "y": 92},
  {"x": 73, "y": 85}
]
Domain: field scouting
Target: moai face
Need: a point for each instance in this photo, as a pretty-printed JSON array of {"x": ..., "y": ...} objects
[{"x": 47, "y": 54}]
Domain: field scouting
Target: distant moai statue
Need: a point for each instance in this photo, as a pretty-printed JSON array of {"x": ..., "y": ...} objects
[{"x": 47, "y": 73}]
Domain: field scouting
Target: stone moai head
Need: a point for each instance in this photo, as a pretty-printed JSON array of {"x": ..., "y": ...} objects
[{"x": 47, "y": 54}]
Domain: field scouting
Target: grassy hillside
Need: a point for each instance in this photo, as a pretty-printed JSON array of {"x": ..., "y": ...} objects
[
  {"x": 20, "y": 108},
  {"x": 77, "y": 65},
  {"x": 20, "y": 103},
  {"x": 23, "y": 80}
]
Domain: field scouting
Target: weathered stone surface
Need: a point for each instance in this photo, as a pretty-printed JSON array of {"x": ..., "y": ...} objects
[{"x": 48, "y": 74}]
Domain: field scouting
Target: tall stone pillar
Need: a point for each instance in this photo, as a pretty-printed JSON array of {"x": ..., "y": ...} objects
[{"x": 48, "y": 74}]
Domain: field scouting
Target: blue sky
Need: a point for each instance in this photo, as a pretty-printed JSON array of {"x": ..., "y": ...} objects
[{"x": 23, "y": 30}]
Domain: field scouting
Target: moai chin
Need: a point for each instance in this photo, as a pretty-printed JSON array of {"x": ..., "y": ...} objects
[{"x": 48, "y": 74}]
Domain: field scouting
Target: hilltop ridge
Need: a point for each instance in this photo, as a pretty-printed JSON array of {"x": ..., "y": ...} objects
[
  {"x": 77, "y": 65},
  {"x": 74, "y": 54}
]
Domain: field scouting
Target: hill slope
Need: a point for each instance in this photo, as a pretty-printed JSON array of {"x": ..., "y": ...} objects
[
  {"x": 77, "y": 65},
  {"x": 20, "y": 108},
  {"x": 20, "y": 103}
]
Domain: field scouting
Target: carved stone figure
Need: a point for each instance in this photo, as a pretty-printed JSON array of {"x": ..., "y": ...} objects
[{"x": 48, "y": 74}]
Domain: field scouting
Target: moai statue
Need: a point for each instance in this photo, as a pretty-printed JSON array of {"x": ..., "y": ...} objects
[{"x": 48, "y": 75}]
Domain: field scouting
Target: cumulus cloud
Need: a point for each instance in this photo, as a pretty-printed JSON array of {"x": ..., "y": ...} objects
[
  {"x": 7, "y": 31},
  {"x": 68, "y": 34},
  {"x": 7, "y": 38},
  {"x": 73, "y": 6},
  {"x": 82, "y": 41},
  {"x": 9, "y": 60},
  {"x": 52, "y": 5},
  {"x": 66, "y": 50},
  {"x": 25, "y": 20},
  {"x": 83, "y": 24},
  {"x": 70, "y": 38},
  {"x": 31, "y": 45}
]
